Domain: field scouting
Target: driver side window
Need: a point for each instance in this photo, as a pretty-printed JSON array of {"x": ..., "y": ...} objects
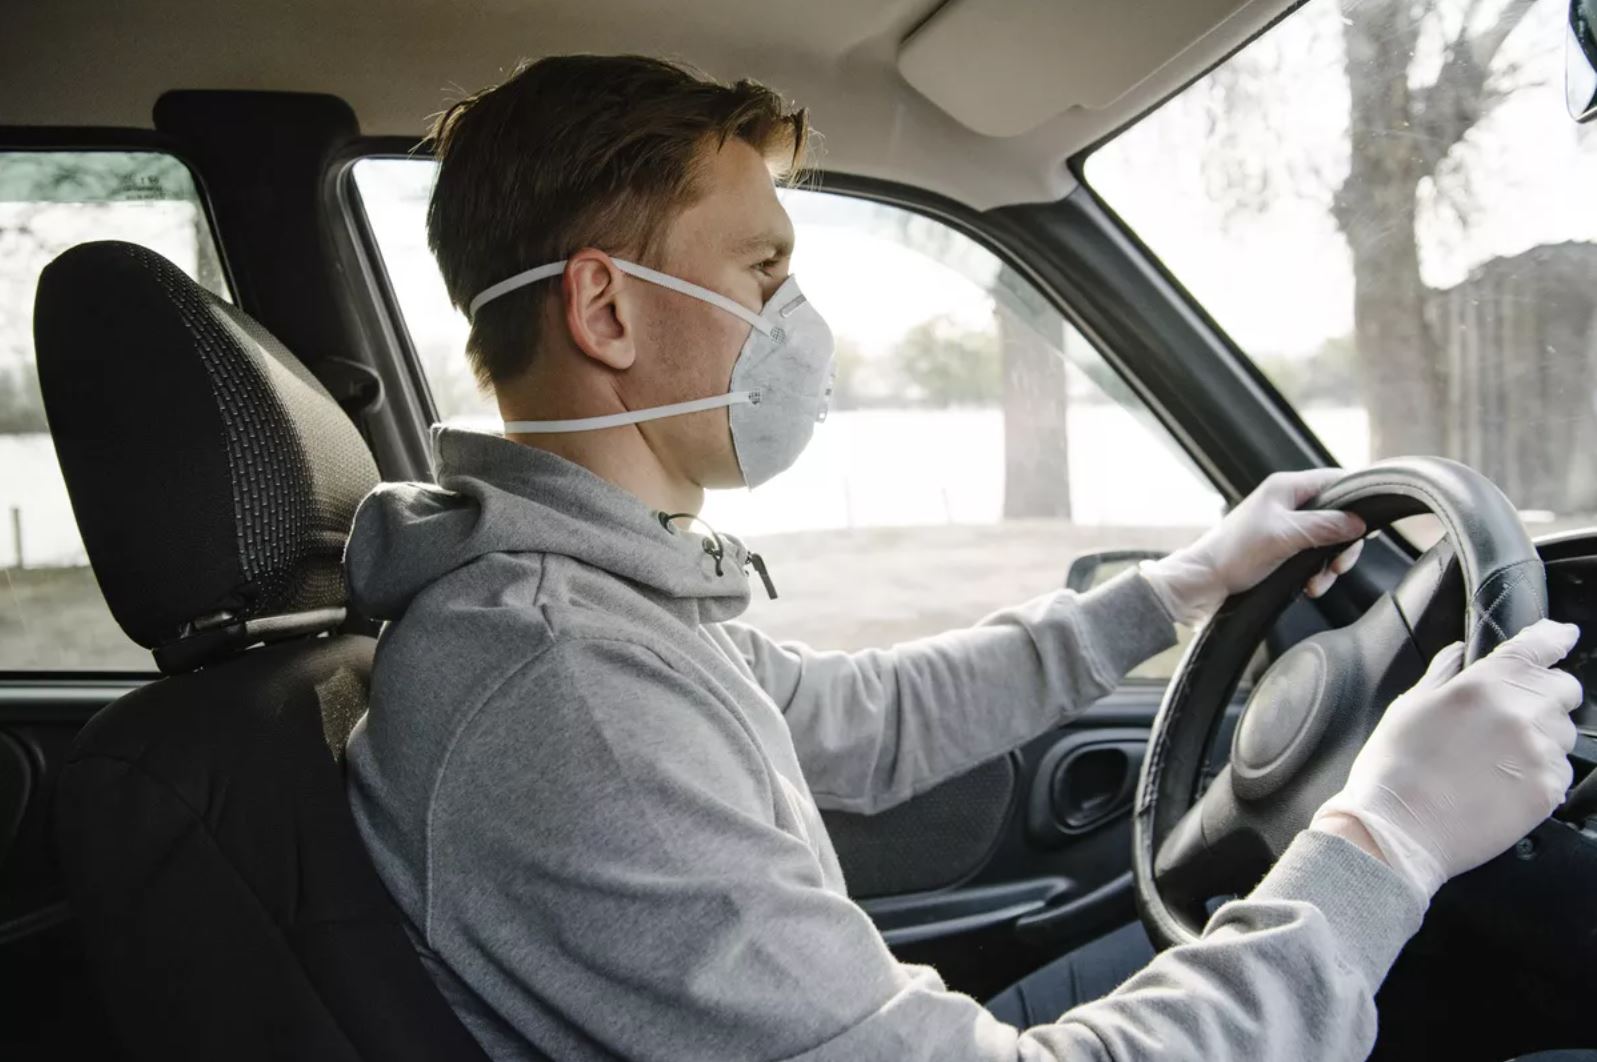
[{"x": 976, "y": 443}]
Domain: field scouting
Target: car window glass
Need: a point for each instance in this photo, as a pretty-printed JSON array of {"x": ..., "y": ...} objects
[
  {"x": 1389, "y": 209},
  {"x": 52, "y": 616},
  {"x": 975, "y": 445}
]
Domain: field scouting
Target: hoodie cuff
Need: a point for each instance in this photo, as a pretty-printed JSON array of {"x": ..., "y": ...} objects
[
  {"x": 1124, "y": 623},
  {"x": 1371, "y": 909}
]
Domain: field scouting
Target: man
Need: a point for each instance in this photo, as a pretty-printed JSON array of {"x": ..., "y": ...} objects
[{"x": 596, "y": 796}]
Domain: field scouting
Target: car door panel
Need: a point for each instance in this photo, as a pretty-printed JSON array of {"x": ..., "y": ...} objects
[
  {"x": 937, "y": 839},
  {"x": 1042, "y": 886},
  {"x": 52, "y": 1007}
]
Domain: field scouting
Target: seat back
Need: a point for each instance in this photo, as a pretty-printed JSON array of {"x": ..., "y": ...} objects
[{"x": 209, "y": 853}]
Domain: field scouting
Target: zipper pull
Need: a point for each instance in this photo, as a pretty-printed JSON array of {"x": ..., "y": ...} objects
[
  {"x": 765, "y": 576},
  {"x": 717, "y": 551}
]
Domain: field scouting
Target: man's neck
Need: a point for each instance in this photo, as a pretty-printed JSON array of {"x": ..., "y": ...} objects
[{"x": 622, "y": 456}]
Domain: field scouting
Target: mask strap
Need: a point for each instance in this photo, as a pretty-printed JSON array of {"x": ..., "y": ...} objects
[
  {"x": 511, "y": 283},
  {"x": 687, "y": 287},
  {"x": 653, "y": 276},
  {"x": 638, "y": 416}
]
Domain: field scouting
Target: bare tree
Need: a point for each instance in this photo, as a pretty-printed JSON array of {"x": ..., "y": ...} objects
[
  {"x": 1403, "y": 135},
  {"x": 1035, "y": 400},
  {"x": 1422, "y": 77},
  {"x": 1031, "y": 343},
  {"x": 1383, "y": 114}
]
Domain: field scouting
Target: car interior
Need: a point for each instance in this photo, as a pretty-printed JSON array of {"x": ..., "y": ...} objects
[{"x": 220, "y": 328}]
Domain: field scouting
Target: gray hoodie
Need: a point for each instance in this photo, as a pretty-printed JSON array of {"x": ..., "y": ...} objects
[{"x": 596, "y": 799}]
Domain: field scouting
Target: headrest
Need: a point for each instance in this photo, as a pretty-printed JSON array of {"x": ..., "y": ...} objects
[{"x": 212, "y": 477}]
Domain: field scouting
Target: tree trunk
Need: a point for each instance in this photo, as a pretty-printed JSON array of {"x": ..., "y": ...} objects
[
  {"x": 1031, "y": 338},
  {"x": 1376, "y": 210},
  {"x": 1036, "y": 443}
]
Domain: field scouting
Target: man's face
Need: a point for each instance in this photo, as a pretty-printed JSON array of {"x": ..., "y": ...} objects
[{"x": 735, "y": 239}]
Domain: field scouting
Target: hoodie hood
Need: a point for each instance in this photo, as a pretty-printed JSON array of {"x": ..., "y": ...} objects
[{"x": 498, "y": 496}]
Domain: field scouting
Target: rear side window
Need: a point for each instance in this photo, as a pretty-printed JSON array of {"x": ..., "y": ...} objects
[{"x": 52, "y": 617}]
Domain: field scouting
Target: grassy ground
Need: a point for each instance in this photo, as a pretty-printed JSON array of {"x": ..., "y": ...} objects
[
  {"x": 877, "y": 586},
  {"x": 55, "y": 619},
  {"x": 838, "y": 589}
]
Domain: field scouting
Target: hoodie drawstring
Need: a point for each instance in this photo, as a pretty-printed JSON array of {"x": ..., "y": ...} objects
[{"x": 717, "y": 548}]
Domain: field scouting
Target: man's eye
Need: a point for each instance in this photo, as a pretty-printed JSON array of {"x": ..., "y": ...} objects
[{"x": 767, "y": 265}]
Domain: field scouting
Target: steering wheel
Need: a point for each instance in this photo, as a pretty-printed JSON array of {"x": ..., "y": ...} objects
[{"x": 1312, "y": 711}]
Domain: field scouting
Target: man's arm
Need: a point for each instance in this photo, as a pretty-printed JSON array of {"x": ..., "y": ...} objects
[
  {"x": 875, "y": 727},
  {"x": 605, "y": 869},
  {"x": 1289, "y": 972},
  {"x": 872, "y": 729}
]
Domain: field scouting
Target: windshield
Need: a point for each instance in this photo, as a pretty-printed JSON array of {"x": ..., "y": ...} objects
[{"x": 1386, "y": 205}]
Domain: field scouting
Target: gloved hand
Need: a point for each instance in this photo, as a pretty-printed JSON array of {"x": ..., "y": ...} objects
[
  {"x": 1251, "y": 542},
  {"x": 1467, "y": 762}
]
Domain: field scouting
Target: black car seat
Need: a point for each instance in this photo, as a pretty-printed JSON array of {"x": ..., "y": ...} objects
[{"x": 227, "y": 904}]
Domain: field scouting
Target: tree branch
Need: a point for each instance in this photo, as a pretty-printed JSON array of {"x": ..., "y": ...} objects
[
  {"x": 1464, "y": 91},
  {"x": 1485, "y": 45}
]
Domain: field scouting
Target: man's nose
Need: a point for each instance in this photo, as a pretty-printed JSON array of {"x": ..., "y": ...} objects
[{"x": 768, "y": 287}]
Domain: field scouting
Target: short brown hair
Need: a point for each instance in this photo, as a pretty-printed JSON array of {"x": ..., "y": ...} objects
[{"x": 578, "y": 151}]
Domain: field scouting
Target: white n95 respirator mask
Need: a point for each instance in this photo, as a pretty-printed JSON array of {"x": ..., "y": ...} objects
[{"x": 781, "y": 382}]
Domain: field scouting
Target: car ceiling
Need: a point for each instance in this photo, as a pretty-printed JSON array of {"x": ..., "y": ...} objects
[{"x": 1019, "y": 85}]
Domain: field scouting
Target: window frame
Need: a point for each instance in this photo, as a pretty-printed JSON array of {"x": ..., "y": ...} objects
[
  {"x": 405, "y": 422},
  {"x": 54, "y": 139}
]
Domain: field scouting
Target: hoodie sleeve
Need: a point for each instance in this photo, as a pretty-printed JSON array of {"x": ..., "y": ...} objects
[
  {"x": 874, "y": 728},
  {"x": 634, "y": 894}
]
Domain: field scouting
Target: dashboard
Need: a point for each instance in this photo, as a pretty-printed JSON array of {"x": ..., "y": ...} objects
[{"x": 1571, "y": 561}]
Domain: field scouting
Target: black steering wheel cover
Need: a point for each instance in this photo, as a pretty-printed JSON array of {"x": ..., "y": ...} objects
[
  {"x": 1504, "y": 582},
  {"x": 1505, "y": 590}
]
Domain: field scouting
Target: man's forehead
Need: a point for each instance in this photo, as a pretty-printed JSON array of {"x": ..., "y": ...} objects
[
  {"x": 752, "y": 220},
  {"x": 738, "y": 210}
]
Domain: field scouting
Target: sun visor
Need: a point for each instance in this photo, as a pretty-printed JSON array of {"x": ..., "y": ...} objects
[{"x": 1003, "y": 67}]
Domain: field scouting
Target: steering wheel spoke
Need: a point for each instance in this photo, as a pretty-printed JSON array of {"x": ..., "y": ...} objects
[{"x": 1211, "y": 850}]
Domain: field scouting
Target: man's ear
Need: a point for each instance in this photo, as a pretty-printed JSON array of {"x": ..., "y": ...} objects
[{"x": 598, "y": 309}]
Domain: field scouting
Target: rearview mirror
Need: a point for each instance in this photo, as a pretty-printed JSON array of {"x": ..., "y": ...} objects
[
  {"x": 1095, "y": 569},
  {"x": 1580, "y": 61}
]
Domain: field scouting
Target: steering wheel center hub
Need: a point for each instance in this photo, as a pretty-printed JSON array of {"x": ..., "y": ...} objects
[{"x": 1282, "y": 723}]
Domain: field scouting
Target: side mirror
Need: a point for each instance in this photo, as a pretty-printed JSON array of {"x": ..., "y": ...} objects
[
  {"x": 1580, "y": 61},
  {"x": 1095, "y": 569}
]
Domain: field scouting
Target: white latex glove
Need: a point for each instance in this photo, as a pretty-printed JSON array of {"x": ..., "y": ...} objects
[
  {"x": 1251, "y": 542},
  {"x": 1467, "y": 762}
]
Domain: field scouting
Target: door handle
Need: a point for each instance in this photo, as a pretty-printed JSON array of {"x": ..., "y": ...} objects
[
  {"x": 16, "y": 787},
  {"x": 1086, "y": 780}
]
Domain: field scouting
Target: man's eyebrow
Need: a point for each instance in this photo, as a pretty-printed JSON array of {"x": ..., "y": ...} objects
[{"x": 780, "y": 244}]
